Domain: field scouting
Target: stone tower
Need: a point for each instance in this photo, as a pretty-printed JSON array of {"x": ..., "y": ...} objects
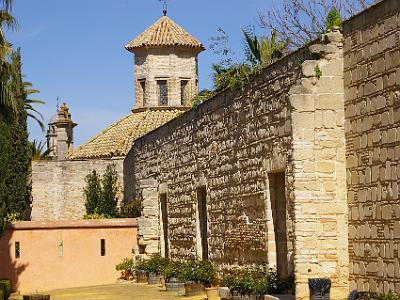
[
  {"x": 60, "y": 134},
  {"x": 166, "y": 71}
]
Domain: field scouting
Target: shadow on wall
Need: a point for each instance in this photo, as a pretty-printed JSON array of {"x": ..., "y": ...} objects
[{"x": 10, "y": 265}]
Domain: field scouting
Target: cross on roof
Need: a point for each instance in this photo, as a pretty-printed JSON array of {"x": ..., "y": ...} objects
[{"x": 165, "y": 6}]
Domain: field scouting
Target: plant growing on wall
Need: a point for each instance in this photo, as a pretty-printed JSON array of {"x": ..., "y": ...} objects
[{"x": 101, "y": 194}]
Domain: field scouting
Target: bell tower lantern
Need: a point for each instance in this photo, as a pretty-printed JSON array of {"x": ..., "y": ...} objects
[{"x": 166, "y": 68}]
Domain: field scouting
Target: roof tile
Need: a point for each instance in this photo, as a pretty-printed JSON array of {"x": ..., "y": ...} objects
[
  {"x": 164, "y": 32},
  {"x": 117, "y": 140}
]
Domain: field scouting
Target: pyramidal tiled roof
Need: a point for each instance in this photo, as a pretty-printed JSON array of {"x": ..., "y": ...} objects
[
  {"x": 117, "y": 140},
  {"x": 164, "y": 32}
]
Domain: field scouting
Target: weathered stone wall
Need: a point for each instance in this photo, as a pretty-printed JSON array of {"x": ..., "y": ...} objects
[
  {"x": 372, "y": 99},
  {"x": 169, "y": 64},
  {"x": 285, "y": 120},
  {"x": 57, "y": 187}
]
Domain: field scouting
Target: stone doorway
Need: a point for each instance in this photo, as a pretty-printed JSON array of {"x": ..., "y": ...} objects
[
  {"x": 277, "y": 193},
  {"x": 202, "y": 215},
  {"x": 164, "y": 225}
]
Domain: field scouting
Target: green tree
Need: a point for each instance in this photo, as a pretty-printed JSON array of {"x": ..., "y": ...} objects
[
  {"x": 92, "y": 192},
  {"x": 101, "y": 193},
  {"x": 108, "y": 200},
  {"x": 15, "y": 149},
  {"x": 263, "y": 51},
  {"x": 333, "y": 19}
]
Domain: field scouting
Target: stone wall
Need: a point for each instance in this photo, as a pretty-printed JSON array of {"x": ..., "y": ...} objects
[
  {"x": 285, "y": 120},
  {"x": 372, "y": 90},
  {"x": 57, "y": 187}
]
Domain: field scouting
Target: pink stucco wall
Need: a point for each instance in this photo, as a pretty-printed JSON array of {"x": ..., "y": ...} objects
[{"x": 44, "y": 266}]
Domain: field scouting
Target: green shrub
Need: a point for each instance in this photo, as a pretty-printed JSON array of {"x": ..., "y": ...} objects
[
  {"x": 198, "y": 271},
  {"x": 140, "y": 265},
  {"x": 172, "y": 270},
  {"x": 388, "y": 296},
  {"x": 125, "y": 267},
  {"x": 5, "y": 287},
  {"x": 132, "y": 209},
  {"x": 156, "y": 264},
  {"x": 258, "y": 282},
  {"x": 2, "y": 295},
  {"x": 96, "y": 216}
]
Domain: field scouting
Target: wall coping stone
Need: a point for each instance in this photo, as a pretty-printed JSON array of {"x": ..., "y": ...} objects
[{"x": 71, "y": 224}]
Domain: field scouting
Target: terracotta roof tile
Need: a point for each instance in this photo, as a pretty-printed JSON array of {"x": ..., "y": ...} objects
[
  {"x": 117, "y": 140},
  {"x": 164, "y": 32}
]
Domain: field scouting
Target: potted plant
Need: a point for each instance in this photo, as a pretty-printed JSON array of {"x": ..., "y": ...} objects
[
  {"x": 190, "y": 277},
  {"x": 252, "y": 285},
  {"x": 197, "y": 276},
  {"x": 172, "y": 276},
  {"x": 125, "y": 267},
  {"x": 140, "y": 271},
  {"x": 207, "y": 276},
  {"x": 282, "y": 288},
  {"x": 154, "y": 267}
]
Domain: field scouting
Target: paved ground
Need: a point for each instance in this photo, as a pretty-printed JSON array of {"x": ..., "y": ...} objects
[{"x": 123, "y": 291}]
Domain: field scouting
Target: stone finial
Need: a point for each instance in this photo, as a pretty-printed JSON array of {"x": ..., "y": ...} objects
[
  {"x": 60, "y": 133},
  {"x": 335, "y": 35}
]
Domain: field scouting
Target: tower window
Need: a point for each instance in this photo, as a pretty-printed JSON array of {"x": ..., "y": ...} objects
[
  {"x": 143, "y": 90},
  {"x": 184, "y": 91},
  {"x": 162, "y": 92}
]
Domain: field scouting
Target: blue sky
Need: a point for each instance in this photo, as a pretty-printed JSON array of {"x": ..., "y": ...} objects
[{"x": 75, "y": 50}]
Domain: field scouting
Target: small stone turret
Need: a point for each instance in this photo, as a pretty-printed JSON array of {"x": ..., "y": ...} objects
[{"x": 60, "y": 134}]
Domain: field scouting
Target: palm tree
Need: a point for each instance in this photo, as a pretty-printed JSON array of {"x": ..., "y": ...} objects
[
  {"x": 7, "y": 4},
  {"x": 263, "y": 51},
  {"x": 28, "y": 105},
  {"x": 7, "y": 99},
  {"x": 38, "y": 152}
]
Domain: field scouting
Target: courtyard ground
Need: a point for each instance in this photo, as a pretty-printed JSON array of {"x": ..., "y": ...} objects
[{"x": 123, "y": 291}]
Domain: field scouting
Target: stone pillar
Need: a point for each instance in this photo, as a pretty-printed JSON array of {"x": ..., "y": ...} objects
[
  {"x": 319, "y": 195},
  {"x": 149, "y": 223}
]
